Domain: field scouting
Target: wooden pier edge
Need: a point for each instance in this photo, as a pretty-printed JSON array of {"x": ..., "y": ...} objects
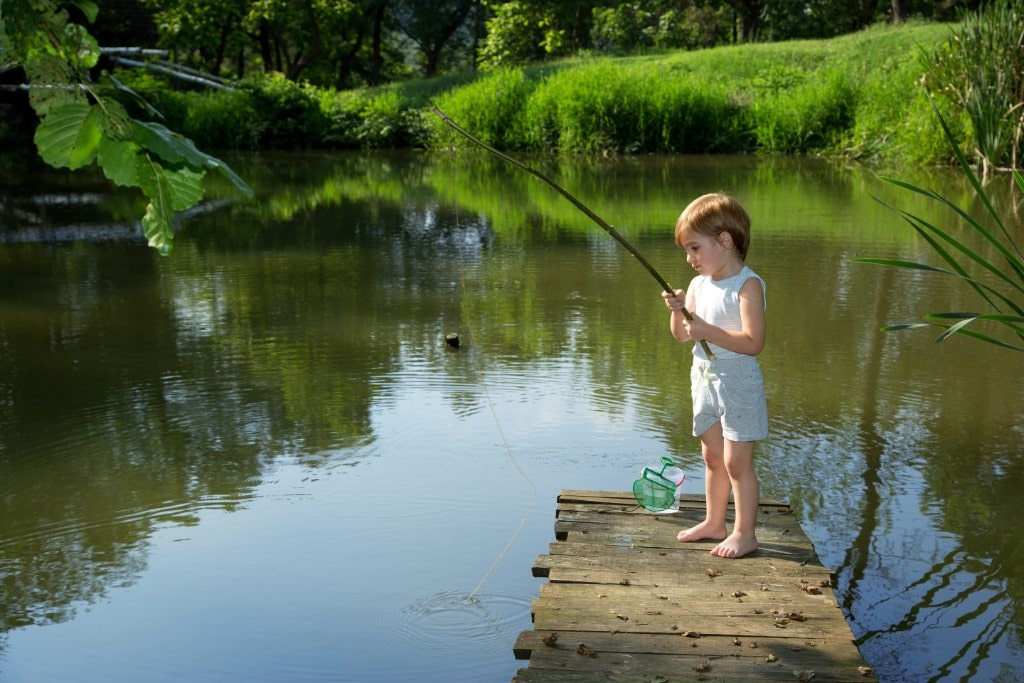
[{"x": 625, "y": 601}]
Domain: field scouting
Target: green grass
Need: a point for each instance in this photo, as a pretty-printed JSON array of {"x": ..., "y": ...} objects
[{"x": 857, "y": 95}]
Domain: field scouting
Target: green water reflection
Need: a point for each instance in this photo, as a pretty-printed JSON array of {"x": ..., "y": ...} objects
[{"x": 138, "y": 392}]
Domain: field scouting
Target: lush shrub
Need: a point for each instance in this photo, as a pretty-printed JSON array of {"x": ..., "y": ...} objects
[
  {"x": 697, "y": 116},
  {"x": 490, "y": 107},
  {"x": 597, "y": 106},
  {"x": 805, "y": 117},
  {"x": 289, "y": 112}
]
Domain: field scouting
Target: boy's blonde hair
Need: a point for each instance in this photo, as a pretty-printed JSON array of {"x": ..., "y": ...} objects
[{"x": 711, "y": 215}]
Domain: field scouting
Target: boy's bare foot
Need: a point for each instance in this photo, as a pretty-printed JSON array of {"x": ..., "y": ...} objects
[
  {"x": 736, "y": 545},
  {"x": 702, "y": 531}
]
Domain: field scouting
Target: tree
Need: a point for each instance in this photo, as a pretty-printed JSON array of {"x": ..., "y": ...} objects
[
  {"x": 82, "y": 122},
  {"x": 432, "y": 31},
  {"x": 667, "y": 24},
  {"x": 751, "y": 13},
  {"x": 523, "y": 31}
]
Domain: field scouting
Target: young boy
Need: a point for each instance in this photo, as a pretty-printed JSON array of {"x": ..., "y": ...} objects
[{"x": 727, "y": 302}]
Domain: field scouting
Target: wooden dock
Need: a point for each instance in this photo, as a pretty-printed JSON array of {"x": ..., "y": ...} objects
[{"x": 625, "y": 601}]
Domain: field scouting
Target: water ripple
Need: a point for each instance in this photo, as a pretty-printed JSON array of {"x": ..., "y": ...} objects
[{"x": 450, "y": 620}]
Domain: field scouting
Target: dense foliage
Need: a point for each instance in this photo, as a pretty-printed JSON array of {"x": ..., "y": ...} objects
[{"x": 353, "y": 43}]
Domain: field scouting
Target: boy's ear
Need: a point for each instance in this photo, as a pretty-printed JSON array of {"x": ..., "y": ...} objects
[{"x": 725, "y": 239}]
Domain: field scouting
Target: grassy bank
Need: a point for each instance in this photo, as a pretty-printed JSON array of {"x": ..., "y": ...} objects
[{"x": 856, "y": 95}]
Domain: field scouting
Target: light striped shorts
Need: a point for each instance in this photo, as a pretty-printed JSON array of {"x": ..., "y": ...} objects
[{"x": 730, "y": 391}]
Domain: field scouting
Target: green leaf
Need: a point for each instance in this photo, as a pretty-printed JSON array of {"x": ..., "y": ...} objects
[
  {"x": 177, "y": 149},
  {"x": 69, "y": 136},
  {"x": 235, "y": 179},
  {"x": 175, "y": 189},
  {"x": 117, "y": 124},
  {"x": 1015, "y": 262},
  {"x": 168, "y": 145},
  {"x": 963, "y": 332},
  {"x": 156, "y": 225},
  {"x": 86, "y": 49},
  {"x": 904, "y": 326},
  {"x": 139, "y": 99},
  {"x": 89, "y": 8},
  {"x": 185, "y": 187},
  {"x": 982, "y": 288},
  {"x": 897, "y": 263},
  {"x": 971, "y": 177},
  {"x": 986, "y": 338},
  {"x": 51, "y": 85},
  {"x": 120, "y": 161},
  {"x": 997, "y": 317}
]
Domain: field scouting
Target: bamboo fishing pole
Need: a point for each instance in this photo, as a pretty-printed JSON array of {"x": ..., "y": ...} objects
[{"x": 579, "y": 205}]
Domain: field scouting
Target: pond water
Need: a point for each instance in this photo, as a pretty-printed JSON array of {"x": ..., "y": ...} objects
[{"x": 257, "y": 460}]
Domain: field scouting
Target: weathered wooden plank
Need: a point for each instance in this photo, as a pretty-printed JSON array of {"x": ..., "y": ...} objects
[
  {"x": 673, "y": 560},
  {"x": 774, "y": 526},
  {"x": 799, "y": 653},
  {"x": 626, "y": 601},
  {"x": 646, "y": 667},
  {"x": 646, "y": 657}
]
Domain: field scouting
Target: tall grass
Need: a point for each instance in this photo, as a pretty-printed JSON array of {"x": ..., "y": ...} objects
[
  {"x": 855, "y": 95},
  {"x": 824, "y": 96}
]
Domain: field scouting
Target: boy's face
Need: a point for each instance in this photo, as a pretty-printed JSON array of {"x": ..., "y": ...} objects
[{"x": 709, "y": 256}]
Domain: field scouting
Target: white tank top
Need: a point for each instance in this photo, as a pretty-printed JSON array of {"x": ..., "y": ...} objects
[{"x": 718, "y": 302}]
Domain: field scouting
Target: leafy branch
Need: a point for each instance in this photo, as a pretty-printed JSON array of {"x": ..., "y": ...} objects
[{"x": 81, "y": 122}]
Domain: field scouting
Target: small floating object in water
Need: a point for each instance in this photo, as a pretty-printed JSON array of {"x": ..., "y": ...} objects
[{"x": 452, "y": 339}]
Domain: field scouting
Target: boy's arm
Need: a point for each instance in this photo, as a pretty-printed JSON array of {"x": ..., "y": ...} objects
[
  {"x": 750, "y": 339},
  {"x": 678, "y": 323},
  {"x": 676, "y": 320}
]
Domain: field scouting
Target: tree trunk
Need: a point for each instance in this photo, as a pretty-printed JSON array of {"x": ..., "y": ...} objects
[
  {"x": 899, "y": 11},
  {"x": 222, "y": 46},
  {"x": 750, "y": 18},
  {"x": 304, "y": 59},
  {"x": 376, "y": 58}
]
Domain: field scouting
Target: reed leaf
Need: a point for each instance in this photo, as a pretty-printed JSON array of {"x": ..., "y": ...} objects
[
  {"x": 972, "y": 334},
  {"x": 978, "y": 286},
  {"x": 920, "y": 225},
  {"x": 973, "y": 179},
  {"x": 951, "y": 249},
  {"x": 1014, "y": 260},
  {"x": 1010, "y": 321}
]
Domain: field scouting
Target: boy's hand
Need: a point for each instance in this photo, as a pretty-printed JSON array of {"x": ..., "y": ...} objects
[
  {"x": 675, "y": 300},
  {"x": 696, "y": 327}
]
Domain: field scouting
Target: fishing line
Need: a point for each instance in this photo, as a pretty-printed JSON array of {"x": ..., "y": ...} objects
[
  {"x": 481, "y": 379},
  {"x": 602, "y": 223}
]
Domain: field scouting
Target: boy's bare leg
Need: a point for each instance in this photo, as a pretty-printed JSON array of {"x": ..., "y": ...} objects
[
  {"x": 716, "y": 489},
  {"x": 739, "y": 463}
]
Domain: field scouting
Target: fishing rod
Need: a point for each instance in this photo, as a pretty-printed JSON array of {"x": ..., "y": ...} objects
[{"x": 579, "y": 205}]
